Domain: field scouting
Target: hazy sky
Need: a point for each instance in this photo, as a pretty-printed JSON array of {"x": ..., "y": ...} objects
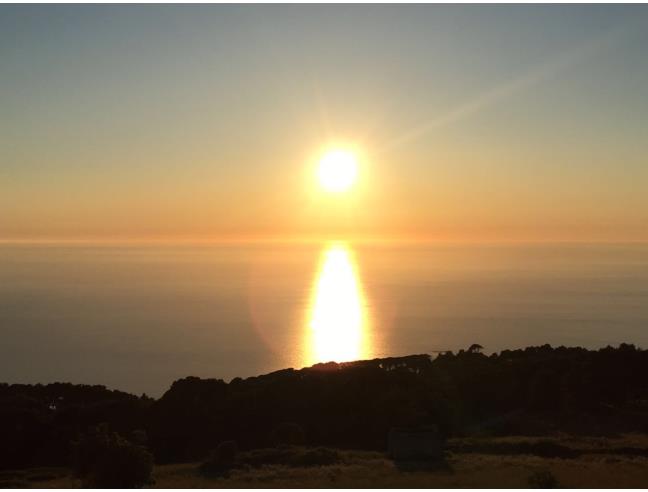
[{"x": 203, "y": 121}]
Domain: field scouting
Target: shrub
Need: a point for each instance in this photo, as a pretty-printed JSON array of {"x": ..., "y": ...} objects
[
  {"x": 543, "y": 479},
  {"x": 222, "y": 459},
  {"x": 220, "y": 463},
  {"x": 287, "y": 433},
  {"x": 106, "y": 460},
  {"x": 226, "y": 451},
  {"x": 315, "y": 457},
  {"x": 44, "y": 474},
  {"x": 13, "y": 484},
  {"x": 289, "y": 456}
]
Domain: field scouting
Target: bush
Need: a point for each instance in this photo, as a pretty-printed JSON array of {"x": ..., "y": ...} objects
[
  {"x": 315, "y": 457},
  {"x": 226, "y": 451},
  {"x": 287, "y": 433},
  {"x": 106, "y": 460},
  {"x": 289, "y": 456},
  {"x": 543, "y": 479},
  {"x": 222, "y": 459},
  {"x": 45, "y": 474},
  {"x": 220, "y": 463},
  {"x": 13, "y": 484}
]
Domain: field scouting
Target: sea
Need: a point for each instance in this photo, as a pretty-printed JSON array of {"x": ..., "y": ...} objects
[{"x": 136, "y": 317}]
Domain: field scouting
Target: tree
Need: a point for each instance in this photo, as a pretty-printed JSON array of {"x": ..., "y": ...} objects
[
  {"x": 475, "y": 348},
  {"x": 104, "y": 459}
]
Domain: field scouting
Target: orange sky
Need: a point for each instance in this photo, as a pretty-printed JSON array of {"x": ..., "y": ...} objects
[{"x": 507, "y": 123}]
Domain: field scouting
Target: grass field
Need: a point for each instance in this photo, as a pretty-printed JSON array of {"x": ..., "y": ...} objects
[{"x": 598, "y": 465}]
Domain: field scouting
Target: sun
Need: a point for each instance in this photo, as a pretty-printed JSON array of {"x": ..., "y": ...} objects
[{"x": 337, "y": 170}]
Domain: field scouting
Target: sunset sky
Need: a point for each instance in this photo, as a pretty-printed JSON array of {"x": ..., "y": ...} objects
[{"x": 468, "y": 122}]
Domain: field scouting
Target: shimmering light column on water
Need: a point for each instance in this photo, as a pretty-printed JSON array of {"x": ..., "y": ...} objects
[{"x": 337, "y": 318}]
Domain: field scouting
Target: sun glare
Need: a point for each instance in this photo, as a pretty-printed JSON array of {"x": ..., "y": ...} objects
[
  {"x": 337, "y": 315},
  {"x": 338, "y": 170}
]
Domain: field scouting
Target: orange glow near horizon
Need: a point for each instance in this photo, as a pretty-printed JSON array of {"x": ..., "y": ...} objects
[{"x": 338, "y": 321}]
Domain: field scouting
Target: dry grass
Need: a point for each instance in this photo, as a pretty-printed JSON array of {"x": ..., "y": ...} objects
[
  {"x": 59, "y": 478},
  {"x": 571, "y": 441},
  {"x": 471, "y": 470},
  {"x": 374, "y": 470}
]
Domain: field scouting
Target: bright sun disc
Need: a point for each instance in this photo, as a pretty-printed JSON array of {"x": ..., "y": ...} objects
[{"x": 337, "y": 170}]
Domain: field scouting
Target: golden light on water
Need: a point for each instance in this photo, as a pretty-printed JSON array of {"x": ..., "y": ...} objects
[{"x": 337, "y": 316}]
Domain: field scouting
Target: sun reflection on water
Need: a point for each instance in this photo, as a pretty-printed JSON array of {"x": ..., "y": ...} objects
[{"x": 337, "y": 315}]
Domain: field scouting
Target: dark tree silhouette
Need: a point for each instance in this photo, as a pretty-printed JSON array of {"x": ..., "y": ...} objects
[
  {"x": 530, "y": 391},
  {"x": 104, "y": 459}
]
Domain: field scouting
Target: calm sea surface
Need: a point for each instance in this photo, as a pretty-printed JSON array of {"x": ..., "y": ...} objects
[{"x": 138, "y": 317}]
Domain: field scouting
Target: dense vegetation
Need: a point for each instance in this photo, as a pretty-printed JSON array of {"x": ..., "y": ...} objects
[
  {"x": 533, "y": 391},
  {"x": 104, "y": 459}
]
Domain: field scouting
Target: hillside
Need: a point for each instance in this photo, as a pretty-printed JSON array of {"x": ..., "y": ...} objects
[
  {"x": 538, "y": 391},
  {"x": 602, "y": 464}
]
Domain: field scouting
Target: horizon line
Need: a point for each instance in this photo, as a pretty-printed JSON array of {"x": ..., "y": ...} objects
[{"x": 293, "y": 238}]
